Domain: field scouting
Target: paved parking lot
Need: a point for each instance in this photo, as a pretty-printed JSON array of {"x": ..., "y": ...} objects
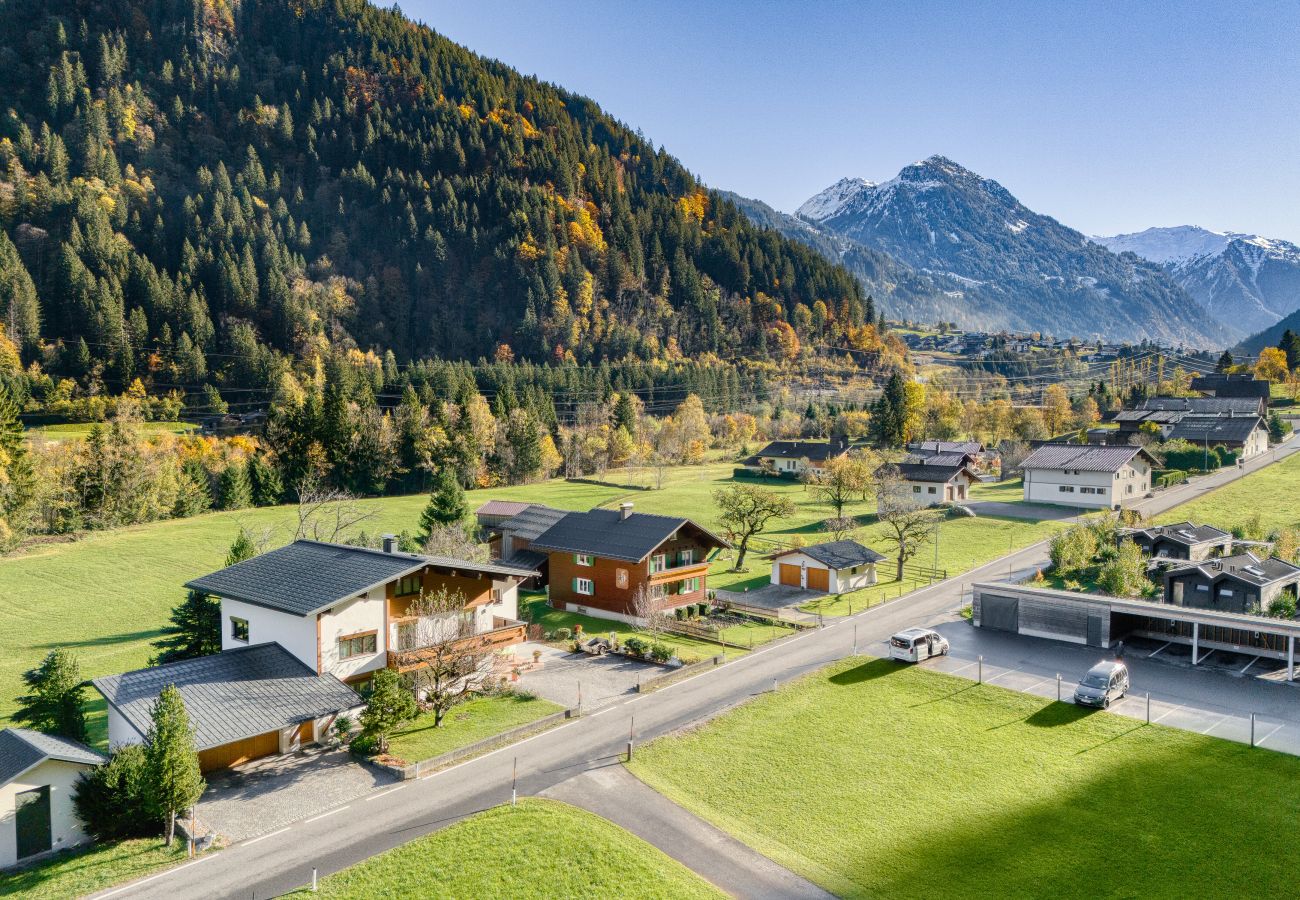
[
  {"x": 771, "y": 596},
  {"x": 563, "y": 676},
  {"x": 1211, "y": 700}
]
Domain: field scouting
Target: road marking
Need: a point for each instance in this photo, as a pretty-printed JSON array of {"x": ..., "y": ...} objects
[
  {"x": 1276, "y": 729},
  {"x": 324, "y": 815},
  {"x": 385, "y": 793},
  {"x": 1169, "y": 712},
  {"x": 601, "y": 713},
  {"x": 1222, "y": 719},
  {"x": 999, "y": 675},
  {"x": 1248, "y": 665},
  {"x": 1158, "y": 649},
  {"x": 263, "y": 837},
  {"x": 135, "y": 884}
]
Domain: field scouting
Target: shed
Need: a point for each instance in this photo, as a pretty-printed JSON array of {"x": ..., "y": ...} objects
[
  {"x": 37, "y": 775},
  {"x": 835, "y": 567}
]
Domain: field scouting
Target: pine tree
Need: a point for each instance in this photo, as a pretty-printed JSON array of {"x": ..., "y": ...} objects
[
  {"x": 390, "y": 704},
  {"x": 264, "y": 480},
  {"x": 17, "y": 480},
  {"x": 195, "y": 630},
  {"x": 241, "y": 548},
  {"x": 889, "y": 414},
  {"x": 57, "y": 694},
  {"x": 175, "y": 783},
  {"x": 446, "y": 506},
  {"x": 1225, "y": 362},
  {"x": 235, "y": 491}
]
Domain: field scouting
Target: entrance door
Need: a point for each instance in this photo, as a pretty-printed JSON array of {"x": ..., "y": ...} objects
[
  {"x": 1000, "y": 613},
  {"x": 1094, "y": 631},
  {"x": 790, "y": 575},
  {"x": 819, "y": 580},
  {"x": 32, "y": 812}
]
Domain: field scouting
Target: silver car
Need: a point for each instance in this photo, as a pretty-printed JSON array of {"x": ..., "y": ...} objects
[{"x": 1104, "y": 683}]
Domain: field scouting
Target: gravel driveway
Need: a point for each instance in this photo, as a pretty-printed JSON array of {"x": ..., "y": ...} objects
[
  {"x": 1034, "y": 512},
  {"x": 603, "y": 678}
]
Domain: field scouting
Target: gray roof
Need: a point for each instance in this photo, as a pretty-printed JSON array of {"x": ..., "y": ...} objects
[
  {"x": 1242, "y": 406},
  {"x": 974, "y": 448},
  {"x": 605, "y": 533},
  {"x": 1183, "y": 533},
  {"x": 812, "y": 450},
  {"x": 1240, "y": 385},
  {"x": 231, "y": 695},
  {"x": 307, "y": 576},
  {"x": 1244, "y": 567},
  {"x": 837, "y": 554},
  {"x": 1083, "y": 457},
  {"x": 526, "y": 559},
  {"x": 940, "y": 468},
  {"x": 1233, "y": 429},
  {"x": 500, "y": 508},
  {"x": 530, "y": 522},
  {"x": 22, "y": 748}
]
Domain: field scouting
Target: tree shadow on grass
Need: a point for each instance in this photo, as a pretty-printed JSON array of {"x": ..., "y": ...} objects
[
  {"x": 1054, "y": 714},
  {"x": 868, "y": 671},
  {"x": 102, "y": 641}
]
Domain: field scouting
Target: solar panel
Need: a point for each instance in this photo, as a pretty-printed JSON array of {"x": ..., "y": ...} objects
[{"x": 1254, "y": 571}]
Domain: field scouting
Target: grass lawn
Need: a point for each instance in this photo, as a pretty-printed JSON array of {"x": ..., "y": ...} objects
[
  {"x": 539, "y": 848},
  {"x": 1271, "y": 493},
  {"x": 83, "y": 872},
  {"x": 687, "y": 649},
  {"x": 473, "y": 721},
  {"x": 75, "y": 431},
  {"x": 876, "y": 779}
]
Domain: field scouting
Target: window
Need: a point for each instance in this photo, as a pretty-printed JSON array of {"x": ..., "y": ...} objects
[
  {"x": 1226, "y": 592},
  {"x": 1066, "y": 489},
  {"x": 582, "y": 559},
  {"x": 916, "y": 489},
  {"x": 239, "y": 630},
  {"x": 1203, "y": 587},
  {"x": 686, "y": 557},
  {"x": 584, "y": 586},
  {"x": 658, "y": 562},
  {"x": 409, "y": 584},
  {"x": 620, "y": 578},
  {"x": 496, "y": 595},
  {"x": 357, "y": 645},
  {"x": 931, "y": 490}
]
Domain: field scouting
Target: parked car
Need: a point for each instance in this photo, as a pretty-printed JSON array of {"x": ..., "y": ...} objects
[
  {"x": 1103, "y": 684},
  {"x": 916, "y": 644}
]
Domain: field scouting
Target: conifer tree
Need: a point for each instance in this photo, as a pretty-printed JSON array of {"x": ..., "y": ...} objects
[
  {"x": 57, "y": 693},
  {"x": 241, "y": 548},
  {"x": 194, "y": 630},
  {"x": 390, "y": 705},
  {"x": 175, "y": 782},
  {"x": 236, "y": 493},
  {"x": 17, "y": 480},
  {"x": 267, "y": 488},
  {"x": 446, "y": 506}
]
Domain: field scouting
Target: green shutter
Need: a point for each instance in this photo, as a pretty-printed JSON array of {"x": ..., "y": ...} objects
[{"x": 575, "y": 585}]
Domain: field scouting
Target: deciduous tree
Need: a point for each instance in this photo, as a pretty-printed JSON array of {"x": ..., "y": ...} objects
[{"x": 745, "y": 511}]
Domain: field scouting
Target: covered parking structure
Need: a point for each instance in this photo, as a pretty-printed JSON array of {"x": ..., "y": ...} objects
[{"x": 1097, "y": 619}]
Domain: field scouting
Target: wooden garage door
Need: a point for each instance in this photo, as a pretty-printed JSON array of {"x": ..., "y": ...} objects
[
  {"x": 819, "y": 580},
  {"x": 239, "y": 751},
  {"x": 790, "y": 574}
]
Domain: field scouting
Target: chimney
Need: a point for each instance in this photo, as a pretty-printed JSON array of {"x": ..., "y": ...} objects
[
  {"x": 390, "y": 543},
  {"x": 624, "y": 510}
]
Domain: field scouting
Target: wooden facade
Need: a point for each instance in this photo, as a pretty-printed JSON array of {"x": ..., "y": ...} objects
[{"x": 615, "y": 582}]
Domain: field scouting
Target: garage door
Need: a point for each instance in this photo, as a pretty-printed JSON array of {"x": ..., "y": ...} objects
[
  {"x": 999, "y": 613},
  {"x": 234, "y": 753},
  {"x": 790, "y": 574},
  {"x": 819, "y": 580}
]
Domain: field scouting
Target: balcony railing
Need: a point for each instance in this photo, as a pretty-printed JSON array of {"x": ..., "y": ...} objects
[
  {"x": 504, "y": 633},
  {"x": 688, "y": 570}
]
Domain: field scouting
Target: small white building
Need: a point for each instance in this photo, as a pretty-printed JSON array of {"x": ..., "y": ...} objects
[
  {"x": 796, "y": 458},
  {"x": 1107, "y": 477},
  {"x": 836, "y": 567},
  {"x": 37, "y": 775}
]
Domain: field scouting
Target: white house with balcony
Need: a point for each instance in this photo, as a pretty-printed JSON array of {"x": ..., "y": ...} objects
[{"x": 303, "y": 630}]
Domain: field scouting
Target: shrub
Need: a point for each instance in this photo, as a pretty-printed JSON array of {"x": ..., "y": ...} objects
[
  {"x": 577, "y": 630},
  {"x": 563, "y": 634},
  {"x": 1282, "y": 607},
  {"x": 548, "y": 635},
  {"x": 701, "y": 609},
  {"x": 635, "y": 646},
  {"x": 364, "y": 745},
  {"x": 576, "y": 646},
  {"x": 1074, "y": 549},
  {"x": 680, "y": 613},
  {"x": 660, "y": 653},
  {"x": 112, "y": 799},
  {"x": 343, "y": 728}
]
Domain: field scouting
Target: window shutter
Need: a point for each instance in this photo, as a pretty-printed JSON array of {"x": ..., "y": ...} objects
[{"x": 575, "y": 585}]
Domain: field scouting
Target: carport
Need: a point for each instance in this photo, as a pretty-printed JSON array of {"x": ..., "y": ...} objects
[{"x": 1097, "y": 619}]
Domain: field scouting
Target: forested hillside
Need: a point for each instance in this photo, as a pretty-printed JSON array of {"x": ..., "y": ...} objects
[{"x": 209, "y": 190}]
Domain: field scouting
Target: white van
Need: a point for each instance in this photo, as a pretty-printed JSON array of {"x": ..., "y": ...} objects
[{"x": 916, "y": 644}]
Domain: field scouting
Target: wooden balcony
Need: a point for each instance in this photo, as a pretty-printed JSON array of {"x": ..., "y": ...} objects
[
  {"x": 505, "y": 633},
  {"x": 680, "y": 572}
]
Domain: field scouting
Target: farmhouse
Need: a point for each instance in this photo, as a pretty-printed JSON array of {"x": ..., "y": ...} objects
[
  {"x": 304, "y": 628},
  {"x": 1181, "y": 541},
  {"x": 1243, "y": 583},
  {"x": 835, "y": 567},
  {"x": 941, "y": 478},
  {"x": 37, "y": 775},
  {"x": 517, "y": 535},
  {"x": 1085, "y": 475},
  {"x": 795, "y": 458},
  {"x": 601, "y": 561}
]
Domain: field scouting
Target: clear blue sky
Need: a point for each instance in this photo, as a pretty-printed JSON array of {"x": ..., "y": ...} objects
[{"x": 1109, "y": 116}]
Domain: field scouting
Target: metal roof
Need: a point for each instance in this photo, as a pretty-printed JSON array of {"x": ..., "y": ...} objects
[
  {"x": 231, "y": 695},
  {"x": 607, "y": 533},
  {"x": 929, "y": 448},
  {"x": 940, "y": 468},
  {"x": 1083, "y": 457},
  {"x": 307, "y": 576},
  {"x": 812, "y": 450},
  {"x": 530, "y": 522},
  {"x": 1235, "y": 429},
  {"x": 1248, "y": 406},
  {"x": 22, "y": 748},
  {"x": 1244, "y": 567},
  {"x": 503, "y": 508},
  {"x": 1183, "y": 533},
  {"x": 836, "y": 554}
]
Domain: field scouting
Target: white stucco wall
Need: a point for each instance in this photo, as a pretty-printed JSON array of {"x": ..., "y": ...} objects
[
  {"x": 840, "y": 582},
  {"x": 297, "y": 634},
  {"x": 120, "y": 731},
  {"x": 1044, "y": 486},
  {"x": 65, "y": 827},
  {"x": 365, "y": 613},
  {"x": 508, "y": 605}
]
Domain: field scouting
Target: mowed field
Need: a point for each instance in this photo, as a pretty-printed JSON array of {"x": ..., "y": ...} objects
[
  {"x": 539, "y": 848},
  {"x": 106, "y": 595},
  {"x": 1272, "y": 493},
  {"x": 876, "y": 779}
]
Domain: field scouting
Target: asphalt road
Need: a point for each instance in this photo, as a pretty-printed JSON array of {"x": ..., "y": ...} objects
[{"x": 284, "y": 859}]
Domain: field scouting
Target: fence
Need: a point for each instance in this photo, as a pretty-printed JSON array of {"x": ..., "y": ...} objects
[
  {"x": 676, "y": 675},
  {"x": 762, "y": 612}
]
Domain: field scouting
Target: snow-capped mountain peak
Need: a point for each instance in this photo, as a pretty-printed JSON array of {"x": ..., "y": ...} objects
[
  {"x": 1170, "y": 245},
  {"x": 827, "y": 203}
]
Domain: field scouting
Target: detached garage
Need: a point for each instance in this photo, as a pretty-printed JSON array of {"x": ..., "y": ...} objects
[
  {"x": 243, "y": 704},
  {"x": 836, "y": 567}
]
